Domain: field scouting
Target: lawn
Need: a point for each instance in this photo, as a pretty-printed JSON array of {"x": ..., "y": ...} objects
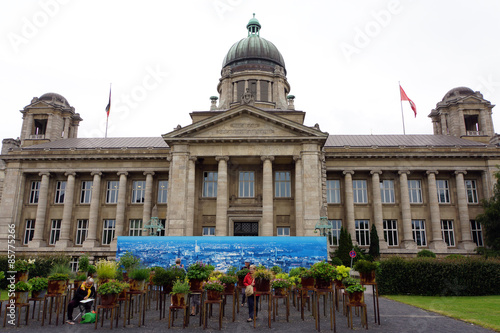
[{"x": 479, "y": 310}]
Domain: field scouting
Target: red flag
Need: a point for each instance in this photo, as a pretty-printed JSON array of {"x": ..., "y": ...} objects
[
  {"x": 404, "y": 97},
  {"x": 108, "y": 107}
]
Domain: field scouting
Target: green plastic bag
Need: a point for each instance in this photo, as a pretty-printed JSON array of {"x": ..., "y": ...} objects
[{"x": 89, "y": 317}]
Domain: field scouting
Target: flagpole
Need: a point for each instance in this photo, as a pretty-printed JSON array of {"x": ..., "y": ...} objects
[
  {"x": 401, "y": 102},
  {"x": 107, "y": 112},
  {"x": 106, "y": 133}
]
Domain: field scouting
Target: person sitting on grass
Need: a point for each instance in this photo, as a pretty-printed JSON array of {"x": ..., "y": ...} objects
[{"x": 85, "y": 291}]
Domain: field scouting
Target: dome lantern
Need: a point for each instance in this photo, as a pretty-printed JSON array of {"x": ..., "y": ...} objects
[{"x": 253, "y": 26}]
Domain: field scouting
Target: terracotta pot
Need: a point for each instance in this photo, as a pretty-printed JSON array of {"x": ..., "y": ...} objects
[
  {"x": 280, "y": 291},
  {"x": 229, "y": 289},
  {"x": 322, "y": 284},
  {"x": 307, "y": 282},
  {"x": 21, "y": 297},
  {"x": 367, "y": 278},
  {"x": 22, "y": 276},
  {"x": 178, "y": 299},
  {"x": 356, "y": 297},
  {"x": 262, "y": 285},
  {"x": 136, "y": 285},
  {"x": 109, "y": 299},
  {"x": 38, "y": 293},
  {"x": 213, "y": 295},
  {"x": 57, "y": 287},
  {"x": 195, "y": 284}
]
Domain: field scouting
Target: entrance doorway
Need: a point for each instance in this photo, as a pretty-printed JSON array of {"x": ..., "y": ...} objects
[{"x": 246, "y": 228}]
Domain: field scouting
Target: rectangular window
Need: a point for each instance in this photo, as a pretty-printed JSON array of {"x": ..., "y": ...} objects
[
  {"x": 108, "y": 231},
  {"x": 470, "y": 186},
  {"x": 477, "y": 232},
  {"x": 359, "y": 191},
  {"x": 334, "y": 233},
  {"x": 333, "y": 191},
  {"x": 86, "y": 192},
  {"x": 60, "y": 191},
  {"x": 135, "y": 228},
  {"x": 415, "y": 191},
  {"x": 34, "y": 192},
  {"x": 264, "y": 91},
  {"x": 246, "y": 184},
  {"x": 447, "y": 232},
  {"x": 387, "y": 191},
  {"x": 208, "y": 231},
  {"x": 418, "y": 230},
  {"x": 391, "y": 232},
  {"x": 162, "y": 191},
  {"x": 82, "y": 227},
  {"x": 210, "y": 184},
  {"x": 362, "y": 232},
  {"x": 443, "y": 191},
  {"x": 29, "y": 231},
  {"x": 282, "y": 184},
  {"x": 112, "y": 191},
  {"x": 161, "y": 232},
  {"x": 138, "y": 191},
  {"x": 73, "y": 263},
  {"x": 283, "y": 231},
  {"x": 55, "y": 231}
]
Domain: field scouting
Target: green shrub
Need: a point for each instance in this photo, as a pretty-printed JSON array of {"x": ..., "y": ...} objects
[
  {"x": 139, "y": 273},
  {"x": 276, "y": 269},
  {"x": 181, "y": 287},
  {"x": 242, "y": 273},
  {"x": 38, "y": 283},
  {"x": 455, "y": 256},
  {"x": 22, "y": 286},
  {"x": 336, "y": 261},
  {"x": 83, "y": 263},
  {"x": 112, "y": 287},
  {"x": 426, "y": 254}
]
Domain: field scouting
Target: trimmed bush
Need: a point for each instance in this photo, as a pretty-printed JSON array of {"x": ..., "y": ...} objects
[{"x": 426, "y": 254}]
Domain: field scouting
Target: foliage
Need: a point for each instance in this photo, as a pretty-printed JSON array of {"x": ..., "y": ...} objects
[
  {"x": 242, "y": 273},
  {"x": 281, "y": 283},
  {"x": 296, "y": 271},
  {"x": 349, "y": 281},
  {"x": 162, "y": 277},
  {"x": 181, "y": 287},
  {"x": 199, "y": 271},
  {"x": 342, "y": 272},
  {"x": 83, "y": 263},
  {"x": 323, "y": 270},
  {"x": 262, "y": 273},
  {"x": 216, "y": 285},
  {"x": 306, "y": 273},
  {"x": 81, "y": 277},
  {"x": 490, "y": 218},
  {"x": 139, "y": 273},
  {"x": 228, "y": 279},
  {"x": 44, "y": 264},
  {"x": 2, "y": 275},
  {"x": 487, "y": 253},
  {"x": 336, "y": 261},
  {"x": 128, "y": 261},
  {"x": 420, "y": 276},
  {"x": 58, "y": 277},
  {"x": 232, "y": 270},
  {"x": 22, "y": 286},
  {"x": 365, "y": 266},
  {"x": 426, "y": 254},
  {"x": 374, "y": 250},
  {"x": 455, "y": 256},
  {"x": 112, "y": 287},
  {"x": 60, "y": 269},
  {"x": 355, "y": 287},
  {"x": 345, "y": 246},
  {"x": 106, "y": 269},
  {"x": 276, "y": 269},
  {"x": 92, "y": 269},
  {"x": 23, "y": 265},
  {"x": 39, "y": 283}
]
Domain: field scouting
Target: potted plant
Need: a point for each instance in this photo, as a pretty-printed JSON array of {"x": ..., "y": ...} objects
[
  {"x": 263, "y": 279},
  {"x": 341, "y": 272},
  {"x": 39, "y": 286},
  {"x": 355, "y": 293},
  {"x": 128, "y": 262},
  {"x": 366, "y": 270},
  {"x": 137, "y": 277},
  {"x": 58, "y": 279},
  {"x": 91, "y": 270},
  {"x": 83, "y": 263},
  {"x": 22, "y": 267},
  {"x": 110, "y": 290},
  {"x": 323, "y": 273},
  {"x": 106, "y": 270},
  {"x": 281, "y": 285},
  {"x": 306, "y": 279},
  {"x": 180, "y": 290},
  {"x": 79, "y": 278},
  {"x": 22, "y": 290},
  {"x": 241, "y": 276},
  {"x": 197, "y": 273},
  {"x": 229, "y": 281},
  {"x": 214, "y": 288}
]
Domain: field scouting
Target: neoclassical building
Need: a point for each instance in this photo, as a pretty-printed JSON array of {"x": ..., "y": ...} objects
[{"x": 249, "y": 166}]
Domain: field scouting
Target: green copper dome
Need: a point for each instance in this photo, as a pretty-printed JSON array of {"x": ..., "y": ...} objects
[{"x": 253, "y": 50}]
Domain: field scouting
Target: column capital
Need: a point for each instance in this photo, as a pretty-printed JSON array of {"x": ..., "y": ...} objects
[
  {"x": 222, "y": 158},
  {"x": 169, "y": 157},
  {"x": 372, "y": 172},
  {"x": 351, "y": 172},
  {"x": 145, "y": 173},
  {"x": 119, "y": 173},
  {"x": 406, "y": 172},
  {"x": 297, "y": 158},
  {"x": 193, "y": 158},
  {"x": 70, "y": 174},
  {"x": 432, "y": 172},
  {"x": 267, "y": 157},
  {"x": 460, "y": 172},
  {"x": 94, "y": 173},
  {"x": 44, "y": 174}
]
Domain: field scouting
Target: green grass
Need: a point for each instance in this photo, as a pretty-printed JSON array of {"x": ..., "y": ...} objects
[{"x": 479, "y": 310}]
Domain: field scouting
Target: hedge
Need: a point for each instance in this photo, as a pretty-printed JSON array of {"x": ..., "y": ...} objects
[{"x": 431, "y": 277}]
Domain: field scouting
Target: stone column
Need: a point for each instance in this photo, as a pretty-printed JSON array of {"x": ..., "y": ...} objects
[
  {"x": 377, "y": 208},
  {"x": 148, "y": 199},
  {"x": 189, "y": 231},
  {"x": 48, "y": 129},
  {"x": 463, "y": 213},
  {"x": 41, "y": 213},
  {"x": 222, "y": 197},
  {"x": 444, "y": 126},
  {"x": 407, "y": 242},
  {"x": 64, "y": 240},
  {"x": 437, "y": 242},
  {"x": 299, "y": 209},
  {"x": 91, "y": 240},
  {"x": 67, "y": 120},
  {"x": 349, "y": 205},
  {"x": 29, "y": 126},
  {"x": 267, "y": 197},
  {"x": 120, "y": 206},
  {"x": 258, "y": 91},
  {"x": 178, "y": 190},
  {"x": 486, "y": 184}
]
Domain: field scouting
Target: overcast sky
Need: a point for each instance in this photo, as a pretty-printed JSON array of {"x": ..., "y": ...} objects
[{"x": 344, "y": 59}]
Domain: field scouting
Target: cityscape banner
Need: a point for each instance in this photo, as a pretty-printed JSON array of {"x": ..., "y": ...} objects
[{"x": 225, "y": 251}]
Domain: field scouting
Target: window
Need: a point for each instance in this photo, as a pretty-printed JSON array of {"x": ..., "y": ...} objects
[
  {"x": 82, "y": 227},
  {"x": 334, "y": 233},
  {"x": 477, "y": 232},
  {"x": 283, "y": 231},
  {"x": 112, "y": 192},
  {"x": 73, "y": 263},
  {"x": 135, "y": 228},
  {"x": 359, "y": 191},
  {"x": 162, "y": 191},
  {"x": 208, "y": 231},
  {"x": 362, "y": 232},
  {"x": 138, "y": 191},
  {"x": 60, "y": 191},
  {"x": 387, "y": 191},
  {"x": 162, "y": 232},
  {"x": 443, "y": 191},
  {"x": 415, "y": 191},
  {"x": 86, "y": 193},
  {"x": 108, "y": 231},
  {"x": 29, "y": 231},
  {"x": 418, "y": 230},
  {"x": 246, "y": 184},
  {"x": 55, "y": 231},
  {"x": 34, "y": 192},
  {"x": 209, "y": 184},
  {"x": 447, "y": 232},
  {"x": 470, "y": 186},
  {"x": 282, "y": 184},
  {"x": 333, "y": 191},
  {"x": 391, "y": 232}
]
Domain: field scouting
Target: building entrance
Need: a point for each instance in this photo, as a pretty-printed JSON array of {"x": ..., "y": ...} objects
[{"x": 246, "y": 228}]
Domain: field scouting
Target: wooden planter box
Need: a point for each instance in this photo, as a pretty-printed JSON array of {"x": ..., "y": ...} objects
[
  {"x": 307, "y": 282},
  {"x": 213, "y": 295},
  {"x": 195, "y": 284},
  {"x": 178, "y": 299},
  {"x": 136, "y": 285},
  {"x": 57, "y": 286},
  {"x": 262, "y": 285},
  {"x": 109, "y": 299},
  {"x": 38, "y": 293},
  {"x": 356, "y": 297},
  {"x": 323, "y": 284},
  {"x": 367, "y": 278},
  {"x": 21, "y": 297},
  {"x": 280, "y": 291}
]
